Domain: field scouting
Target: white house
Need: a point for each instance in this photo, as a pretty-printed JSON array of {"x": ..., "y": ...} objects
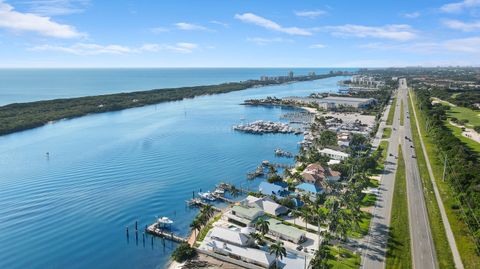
[{"x": 334, "y": 154}]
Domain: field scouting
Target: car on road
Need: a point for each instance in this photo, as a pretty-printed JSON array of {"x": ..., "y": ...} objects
[{"x": 413, "y": 156}]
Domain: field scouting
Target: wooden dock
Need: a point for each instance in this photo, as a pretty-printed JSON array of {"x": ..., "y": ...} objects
[
  {"x": 199, "y": 202},
  {"x": 152, "y": 229}
]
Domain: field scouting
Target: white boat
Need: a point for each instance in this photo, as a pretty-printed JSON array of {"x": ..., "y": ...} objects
[
  {"x": 207, "y": 196},
  {"x": 164, "y": 220},
  {"x": 219, "y": 192}
]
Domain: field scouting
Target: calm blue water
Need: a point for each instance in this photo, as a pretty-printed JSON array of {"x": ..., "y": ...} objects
[
  {"x": 24, "y": 85},
  {"x": 106, "y": 171}
]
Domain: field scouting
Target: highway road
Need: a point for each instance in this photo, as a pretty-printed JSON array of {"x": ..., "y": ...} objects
[
  {"x": 422, "y": 246},
  {"x": 375, "y": 243}
]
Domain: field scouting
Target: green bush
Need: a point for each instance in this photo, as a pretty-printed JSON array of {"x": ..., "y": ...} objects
[{"x": 183, "y": 252}]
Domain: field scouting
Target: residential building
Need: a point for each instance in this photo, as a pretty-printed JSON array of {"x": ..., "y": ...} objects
[
  {"x": 243, "y": 215},
  {"x": 334, "y": 154},
  {"x": 266, "y": 204},
  {"x": 271, "y": 189},
  {"x": 231, "y": 236},
  {"x": 246, "y": 254},
  {"x": 286, "y": 232},
  {"x": 316, "y": 174}
]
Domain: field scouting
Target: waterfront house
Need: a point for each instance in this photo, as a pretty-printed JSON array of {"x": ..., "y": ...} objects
[
  {"x": 267, "y": 205},
  {"x": 246, "y": 254},
  {"x": 271, "y": 189},
  {"x": 243, "y": 215},
  {"x": 316, "y": 174},
  {"x": 231, "y": 236},
  {"x": 334, "y": 154},
  {"x": 286, "y": 232}
]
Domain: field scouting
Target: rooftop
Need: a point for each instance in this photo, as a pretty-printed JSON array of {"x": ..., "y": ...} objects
[
  {"x": 229, "y": 236},
  {"x": 277, "y": 226},
  {"x": 334, "y": 152},
  {"x": 309, "y": 187},
  {"x": 248, "y": 212}
]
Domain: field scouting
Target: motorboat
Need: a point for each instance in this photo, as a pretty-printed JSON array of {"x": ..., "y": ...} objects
[
  {"x": 164, "y": 220},
  {"x": 207, "y": 196}
]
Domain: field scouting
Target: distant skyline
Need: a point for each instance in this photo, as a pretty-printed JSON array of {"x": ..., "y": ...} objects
[{"x": 208, "y": 33}]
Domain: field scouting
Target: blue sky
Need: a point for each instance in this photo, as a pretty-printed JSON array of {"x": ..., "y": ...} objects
[{"x": 214, "y": 33}]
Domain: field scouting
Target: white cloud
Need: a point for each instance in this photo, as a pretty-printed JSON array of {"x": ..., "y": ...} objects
[
  {"x": 458, "y": 7},
  {"x": 265, "y": 41},
  {"x": 271, "y": 25},
  {"x": 411, "y": 15},
  {"x": 220, "y": 23},
  {"x": 398, "y": 32},
  {"x": 56, "y": 7},
  {"x": 469, "y": 45},
  {"x": 158, "y": 30},
  {"x": 463, "y": 26},
  {"x": 85, "y": 49},
  {"x": 190, "y": 26},
  {"x": 182, "y": 47},
  {"x": 28, "y": 22},
  {"x": 317, "y": 46},
  {"x": 311, "y": 14}
]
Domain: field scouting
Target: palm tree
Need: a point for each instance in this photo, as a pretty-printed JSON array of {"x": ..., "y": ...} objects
[
  {"x": 207, "y": 212},
  {"x": 234, "y": 191},
  {"x": 306, "y": 215},
  {"x": 196, "y": 225},
  {"x": 321, "y": 216},
  {"x": 262, "y": 225},
  {"x": 278, "y": 250},
  {"x": 257, "y": 237}
]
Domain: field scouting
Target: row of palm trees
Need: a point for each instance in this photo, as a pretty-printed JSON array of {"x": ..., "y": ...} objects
[{"x": 202, "y": 218}]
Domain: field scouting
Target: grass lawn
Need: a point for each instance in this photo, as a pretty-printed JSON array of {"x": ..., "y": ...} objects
[
  {"x": 465, "y": 243},
  {"x": 458, "y": 133},
  {"x": 463, "y": 113},
  {"x": 444, "y": 255},
  {"x": 203, "y": 232},
  {"x": 373, "y": 183},
  {"x": 383, "y": 148},
  {"x": 341, "y": 258},
  {"x": 391, "y": 112},
  {"x": 402, "y": 113},
  {"x": 369, "y": 200},
  {"x": 399, "y": 253},
  {"x": 364, "y": 225},
  {"x": 387, "y": 132}
]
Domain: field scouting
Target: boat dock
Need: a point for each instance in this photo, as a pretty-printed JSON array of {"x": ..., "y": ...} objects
[
  {"x": 199, "y": 202},
  {"x": 153, "y": 230}
]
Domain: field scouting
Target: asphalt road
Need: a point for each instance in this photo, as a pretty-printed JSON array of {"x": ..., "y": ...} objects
[
  {"x": 375, "y": 243},
  {"x": 423, "y": 249}
]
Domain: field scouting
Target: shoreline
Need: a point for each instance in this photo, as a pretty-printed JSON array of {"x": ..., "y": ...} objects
[{"x": 18, "y": 117}]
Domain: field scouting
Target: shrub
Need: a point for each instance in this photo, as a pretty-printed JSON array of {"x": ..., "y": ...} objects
[{"x": 183, "y": 252}]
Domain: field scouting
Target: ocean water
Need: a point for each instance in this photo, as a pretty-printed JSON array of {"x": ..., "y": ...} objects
[
  {"x": 25, "y": 85},
  {"x": 106, "y": 171}
]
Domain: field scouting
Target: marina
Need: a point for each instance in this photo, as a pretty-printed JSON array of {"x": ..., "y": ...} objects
[
  {"x": 151, "y": 170},
  {"x": 266, "y": 127}
]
